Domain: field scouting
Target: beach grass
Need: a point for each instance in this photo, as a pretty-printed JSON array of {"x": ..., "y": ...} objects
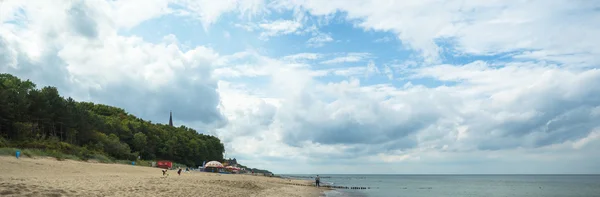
[
  {"x": 143, "y": 163},
  {"x": 61, "y": 151},
  {"x": 100, "y": 158},
  {"x": 7, "y": 151},
  {"x": 31, "y": 153},
  {"x": 34, "y": 152}
]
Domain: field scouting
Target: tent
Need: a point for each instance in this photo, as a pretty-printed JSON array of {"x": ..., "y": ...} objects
[
  {"x": 164, "y": 164},
  {"x": 213, "y": 166},
  {"x": 230, "y": 169}
]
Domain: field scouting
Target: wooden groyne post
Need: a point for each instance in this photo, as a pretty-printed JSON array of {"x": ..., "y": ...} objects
[{"x": 330, "y": 186}]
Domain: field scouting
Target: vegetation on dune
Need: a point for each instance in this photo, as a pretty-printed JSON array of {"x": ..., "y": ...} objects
[
  {"x": 42, "y": 120},
  {"x": 255, "y": 170}
]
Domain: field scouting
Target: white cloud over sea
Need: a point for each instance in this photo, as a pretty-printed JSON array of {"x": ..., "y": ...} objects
[{"x": 303, "y": 86}]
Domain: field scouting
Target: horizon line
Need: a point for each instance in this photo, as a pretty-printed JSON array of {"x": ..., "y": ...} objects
[{"x": 452, "y": 174}]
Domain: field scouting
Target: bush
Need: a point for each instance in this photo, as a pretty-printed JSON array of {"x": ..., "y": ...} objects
[
  {"x": 143, "y": 163},
  {"x": 71, "y": 157},
  {"x": 70, "y": 152},
  {"x": 28, "y": 153},
  {"x": 32, "y": 144},
  {"x": 126, "y": 162},
  {"x": 3, "y": 142},
  {"x": 62, "y": 150},
  {"x": 34, "y": 152},
  {"x": 46, "y": 153},
  {"x": 53, "y": 153},
  {"x": 8, "y": 151},
  {"x": 178, "y": 165},
  {"x": 84, "y": 154},
  {"x": 101, "y": 158}
]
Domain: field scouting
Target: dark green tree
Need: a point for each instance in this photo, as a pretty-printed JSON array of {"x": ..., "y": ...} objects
[{"x": 41, "y": 118}]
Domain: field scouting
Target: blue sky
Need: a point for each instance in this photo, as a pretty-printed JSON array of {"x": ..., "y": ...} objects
[{"x": 334, "y": 86}]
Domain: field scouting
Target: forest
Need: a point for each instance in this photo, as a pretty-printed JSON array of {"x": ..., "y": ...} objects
[{"x": 42, "y": 119}]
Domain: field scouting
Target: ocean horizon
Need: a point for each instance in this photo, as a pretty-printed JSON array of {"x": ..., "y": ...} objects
[
  {"x": 455, "y": 185},
  {"x": 441, "y": 174}
]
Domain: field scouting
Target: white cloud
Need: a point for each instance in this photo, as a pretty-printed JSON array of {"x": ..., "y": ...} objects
[
  {"x": 511, "y": 116},
  {"x": 248, "y": 27},
  {"x": 550, "y": 30},
  {"x": 302, "y": 56},
  {"x": 85, "y": 59},
  {"x": 130, "y": 13},
  {"x": 355, "y": 72},
  {"x": 251, "y": 64},
  {"x": 371, "y": 69},
  {"x": 319, "y": 40},
  {"x": 483, "y": 112},
  {"x": 593, "y": 136},
  {"x": 388, "y": 72},
  {"x": 279, "y": 27},
  {"x": 208, "y": 11},
  {"x": 396, "y": 158},
  {"x": 350, "y": 57},
  {"x": 384, "y": 39},
  {"x": 350, "y": 71}
]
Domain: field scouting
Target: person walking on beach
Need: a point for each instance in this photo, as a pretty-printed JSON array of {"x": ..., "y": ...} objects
[
  {"x": 318, "y": 181},
  {"x": 179, "y": 171}
]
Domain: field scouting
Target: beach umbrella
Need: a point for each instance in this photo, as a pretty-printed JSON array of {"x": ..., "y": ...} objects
[{"x": 214, "y": 164}]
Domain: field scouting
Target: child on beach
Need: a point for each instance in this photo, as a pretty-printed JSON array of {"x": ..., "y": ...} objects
[
  {"x": 164, "y": 171},
  {"x": 179, "y": 172}
]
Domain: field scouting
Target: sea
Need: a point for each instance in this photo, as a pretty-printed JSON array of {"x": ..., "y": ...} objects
[{"x": 460, "y": 185}]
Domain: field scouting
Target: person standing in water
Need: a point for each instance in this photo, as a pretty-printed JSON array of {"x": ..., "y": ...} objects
[{"x": 318, "y": 181}]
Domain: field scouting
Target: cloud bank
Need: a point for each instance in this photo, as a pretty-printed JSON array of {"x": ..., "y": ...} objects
[{"x": 485, "y": 87}]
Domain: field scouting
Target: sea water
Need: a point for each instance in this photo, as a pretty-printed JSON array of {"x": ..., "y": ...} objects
[{"x": 463, "y": 185}]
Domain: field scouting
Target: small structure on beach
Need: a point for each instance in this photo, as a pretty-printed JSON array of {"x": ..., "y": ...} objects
[
  {"x": 232, "y": 169},
  {"x": 213, "y": 166},
  {"x": 164, "y": 164}
]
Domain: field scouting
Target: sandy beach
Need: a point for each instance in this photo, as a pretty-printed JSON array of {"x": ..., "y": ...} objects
[{"x": 49, "y": 177}]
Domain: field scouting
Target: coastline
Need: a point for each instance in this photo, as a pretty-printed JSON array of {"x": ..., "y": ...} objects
[
  {"x": 49, "y": 177},
  {"x": 323, "y": 191}
]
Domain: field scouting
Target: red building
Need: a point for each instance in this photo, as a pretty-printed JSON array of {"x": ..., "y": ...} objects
[{"x": 164, "y": 164}]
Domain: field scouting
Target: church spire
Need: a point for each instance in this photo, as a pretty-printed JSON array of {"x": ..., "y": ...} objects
[{"x": 170, "y": 118}]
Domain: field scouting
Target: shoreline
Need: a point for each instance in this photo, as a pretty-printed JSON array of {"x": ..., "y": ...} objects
[
  {"x": 50, "y": 177},
  {"x": 310, "y": 183}
]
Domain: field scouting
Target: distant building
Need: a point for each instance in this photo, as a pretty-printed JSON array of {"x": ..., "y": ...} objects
[{"x": 170, "y": 118}]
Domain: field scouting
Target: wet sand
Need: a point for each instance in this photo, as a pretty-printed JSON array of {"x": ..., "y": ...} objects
[{"x": 49, "y": 177}]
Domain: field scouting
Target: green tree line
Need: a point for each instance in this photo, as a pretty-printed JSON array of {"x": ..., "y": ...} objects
[
  {"x": 255, "y": 170},
  {"x": 41, "y": 118}
]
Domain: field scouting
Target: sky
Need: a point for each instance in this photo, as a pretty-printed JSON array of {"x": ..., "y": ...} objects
[{"x": 337, "y": 86}]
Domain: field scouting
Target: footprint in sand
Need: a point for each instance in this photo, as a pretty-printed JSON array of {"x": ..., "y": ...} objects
[{"x": 8, "y": 192}]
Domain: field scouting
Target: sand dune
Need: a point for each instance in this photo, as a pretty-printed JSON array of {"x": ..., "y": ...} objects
[{"x": 49, "y": 177}]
